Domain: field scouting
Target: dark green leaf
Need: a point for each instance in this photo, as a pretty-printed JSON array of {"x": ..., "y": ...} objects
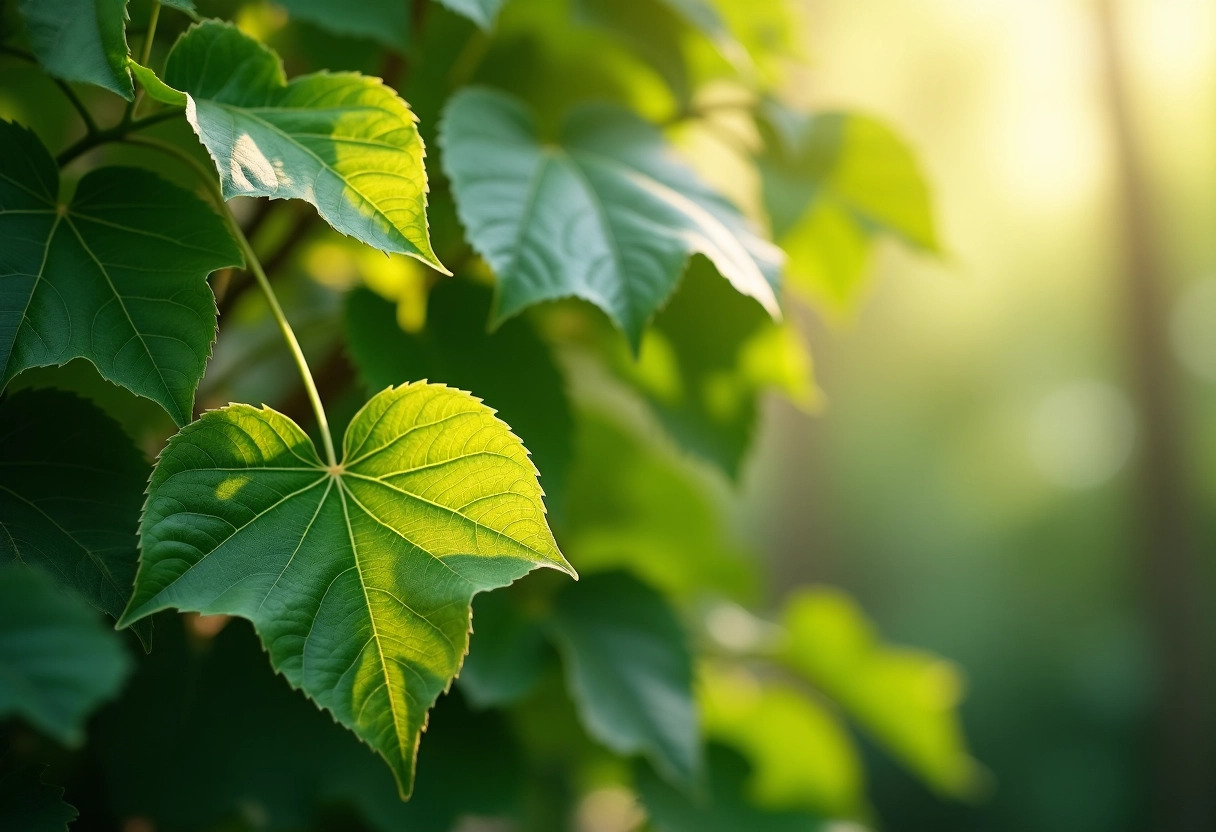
[
  {"x": 385, "y": 21},
  {"x": 507, "y": 652},
  {"x": 607, "y": 213},
  {"x": 358, "y": 577},
  {"x": 725, "y": 809},
  {"x": 481, "y": 12},
  {"x": 207, "y": 734},
  {"x": 59, "y": 661},
  {"x": 454, "y": 348},
  {"x": 342, "y": 141},
  {"x": 71, "y": 484},
  {"x": 29, "y": 805},
  {"x": 630, "y": 671},
  {"x": 81, "y": 40},
  {"x": 117, "y": 277}
]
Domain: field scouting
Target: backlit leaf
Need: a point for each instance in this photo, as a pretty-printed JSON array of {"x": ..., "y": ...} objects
[
  {"x": 833, "y": 182},
  {"x": 342, "y": 141},
  {"x": 358, "y": 578},
  {"x": 906, "y": 699},
  {"x": 118, "y": 276},
  {"x": 81, "y": 40},
  {"x": 606, "y": 213},
  {"x": 59, "y": 660},
  {"x": 630, "y": 671},
  {"x": 71, "y": 484}
]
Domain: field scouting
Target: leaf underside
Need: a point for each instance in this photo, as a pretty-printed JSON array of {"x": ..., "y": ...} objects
[
  {"x": 81, "y": 40},
  {"x": 358, "y": 579},
  {"x": 607, "y": 214},
  {"x": 117, "y": 277}
]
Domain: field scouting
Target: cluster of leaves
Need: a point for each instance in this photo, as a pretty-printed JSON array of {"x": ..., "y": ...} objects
[{"x": 560, "y": 181}]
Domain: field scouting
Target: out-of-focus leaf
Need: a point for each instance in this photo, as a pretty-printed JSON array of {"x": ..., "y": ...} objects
[
  {"x": 59, "y": 661},
  {"x": 632, "y": 505},
  {"x": 832, "y": 183},
  {"x": 508, "y": 652},
  {"x": 358, "y": 577},
  {"x": 607, "y": 213},
  {"x": 705, "y": 382},
  {"x": 905, "y": 699},
  {"x": 207, "y": 734},
  {"x": 801, "y": 756},
  {"x": 723, "y": 809},
  {"x": 71, "y": 485},
  {"x": 341, "y": 141},
  {"x": 481, "y": 12},
  {"x": 769, "y": 32},
  {"x": 630, "y": 671},
  {"x": 511, "y": 368},
  {"x": 29, "y": 805},
  {"x": 117, "y": 277},
  {"x": 81, "y": 40},
  {"x": 385, "y": 21}
]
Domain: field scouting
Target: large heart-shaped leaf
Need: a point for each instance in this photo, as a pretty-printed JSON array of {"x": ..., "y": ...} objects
[
  {"x": 57, "y": 661},
  {"x": 342, "y": 141},
  {"x": 118, "y": 276},
  {"x": 607, "y": 213},
  {"x": 358, "y": 577},
  {"x": 71, "y": 484},
  {"x": 81, "y": 40}
]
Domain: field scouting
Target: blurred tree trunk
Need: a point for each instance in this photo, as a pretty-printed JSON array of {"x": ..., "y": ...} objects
[{"x": 1171, "y": 559}]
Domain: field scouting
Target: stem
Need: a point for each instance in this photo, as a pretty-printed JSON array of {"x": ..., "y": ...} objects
[
  {"x": 259, "y": 274},
  {"x": 89, "y": 124},
  {"x": 113, "y": 134},
  {"x": 144, "y": 53}
]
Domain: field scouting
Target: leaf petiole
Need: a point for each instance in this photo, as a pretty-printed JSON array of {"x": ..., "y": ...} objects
[{"x": 144, "y": 54}]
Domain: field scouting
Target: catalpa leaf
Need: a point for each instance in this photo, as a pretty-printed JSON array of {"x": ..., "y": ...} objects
[
  {"x": 118, "y": 276},
  {"x": 81, "y": 40},
  {"x": 28, "y": 803},
  {"x": 71, "y": 484},
  {"x": 833, "y": 183},
  {"x": 342, "y": 141},
  {"x": 454, "y": 348},
  {"x": 607, "y": 213},
  {"x": 358, "y": 577},
  {"x": 630, "y": 671},
  {"x": 59, "y": 660}
]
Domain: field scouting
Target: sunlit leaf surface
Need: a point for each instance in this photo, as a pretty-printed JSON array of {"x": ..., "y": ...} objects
[{"x": 358, "y": 578}]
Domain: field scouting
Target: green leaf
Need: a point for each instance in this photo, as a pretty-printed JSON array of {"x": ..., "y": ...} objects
[
  {"x": 180, "y": 5},
  {"x": 906, "y": 699},
  {"x": 58, "y": 661},
  {"x": 342, "y": 141},
  {"x": 607, "y": 213},
  {"x": 632, "y": 505},
  {"x": 157, "y": 89},
  {"x": 705, "y": 383},
  {"x": 725, "y": 810},
  {"x": 359, "y": 577},
  {"x": 118, "y": 276},
  {"x": 454, "y": 348},
  {"x": 507, "y": 652},
  {"x": 81, "y": 40},
  {"x": 801, "y": 755},
  {"x": 385, "y": 21},
  {"x": 833, "y": 182},
  {"x": 630, "y": 671},
  {"x": 71, "y": 484},
  {"x": 28, "y": 804},
  {"x": 206, "y": 737},
  {"x": 481, "y": 12}
]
